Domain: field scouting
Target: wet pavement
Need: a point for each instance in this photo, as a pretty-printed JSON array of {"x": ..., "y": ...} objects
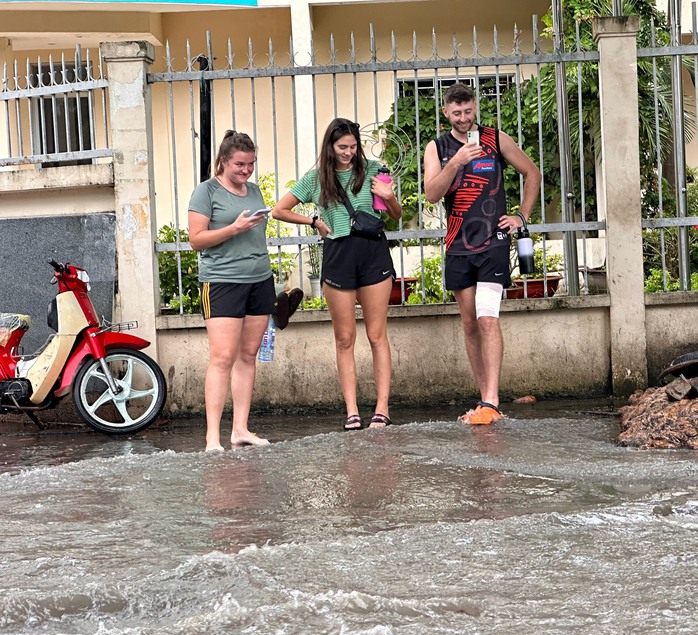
[{"x": 539, "y": 524}]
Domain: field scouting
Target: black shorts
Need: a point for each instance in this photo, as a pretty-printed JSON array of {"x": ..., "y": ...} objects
[
  {"x": 237, "y": 299},
  {"x": 353, "y": 262},
  {"x": 489, "y": 266}
]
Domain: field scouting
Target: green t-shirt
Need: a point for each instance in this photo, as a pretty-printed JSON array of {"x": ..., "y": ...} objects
[
  {"x": 243, "y": 257},
  {"x": 307, "y": 190}
]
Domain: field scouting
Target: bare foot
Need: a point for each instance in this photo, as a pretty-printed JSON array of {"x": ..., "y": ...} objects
[
  {"x": 249, "y": 438},
  {"x": 214, "y": 447}
]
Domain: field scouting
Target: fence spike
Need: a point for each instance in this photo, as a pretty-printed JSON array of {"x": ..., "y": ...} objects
[
  {"x": 434, "y": 46},
  {"x": 517, "y": 35},
  {"x": 393, "y": 47},
  {"x": 536, "y": 40},
  {"x": 168, "y": 57},
  {"x": 454, "y": 47},
  {"x": 209, "y": 50},
  {"x": 496, "y": 41},
  {"x": 250, "y": 54},
  {"x": 332, "y": 49},
  {"x": 352, "y": 39},
  {"x": 230, "y": 56},
  {"x": 414, "y": 45},
  {"x": 64, "y": 72},
  {"x": 88, "y": 66},
  {"x": 39, "y": 71},
  {"x": 189, "y": 59},
  {"x": 78, "y": 61},
  {"x": 272, "y": 55},
  {"x": 476, "y": 52},
  {"x": 372, "y": 38}
]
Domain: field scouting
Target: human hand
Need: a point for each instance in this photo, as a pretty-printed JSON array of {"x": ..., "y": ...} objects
[
  {"x": 322, "y": 227},
  {"x": 510, "y": 223},
  {"x": 246, "y": 221},
  {"x": 468, "y": 152},
  {"x": 382, "y": 189}
]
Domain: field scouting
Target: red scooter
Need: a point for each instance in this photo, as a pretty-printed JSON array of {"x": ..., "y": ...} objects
[{"x": 116, "y": 387}]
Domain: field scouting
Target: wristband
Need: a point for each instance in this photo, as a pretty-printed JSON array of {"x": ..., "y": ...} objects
[
  {"x": 523, "y": 218},
  {"x": 312, "y": 222}
]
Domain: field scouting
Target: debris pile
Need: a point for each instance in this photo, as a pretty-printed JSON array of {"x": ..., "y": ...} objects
[{"x": 664, "y": 417}]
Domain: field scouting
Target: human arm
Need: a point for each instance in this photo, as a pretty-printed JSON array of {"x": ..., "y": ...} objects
[
  {"x": 437, "y": 180},
  {"x": 386, "y": 192},
  {"x": 283, "y": 211},
  {"x": 201, "y": 237},
  {"x": 517, "y": 158}
]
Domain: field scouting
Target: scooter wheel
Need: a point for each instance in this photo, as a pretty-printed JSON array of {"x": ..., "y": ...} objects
[{"x": 139, "y": 401}]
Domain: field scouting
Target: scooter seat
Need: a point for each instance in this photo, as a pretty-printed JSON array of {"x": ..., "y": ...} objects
[{"x": 14, "y": 321}]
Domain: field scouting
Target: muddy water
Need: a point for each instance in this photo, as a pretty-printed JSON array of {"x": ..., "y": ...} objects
[{"x": 538, "y": 525}]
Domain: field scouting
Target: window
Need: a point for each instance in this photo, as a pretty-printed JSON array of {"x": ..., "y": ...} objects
[{"x": 60, "y": 118}]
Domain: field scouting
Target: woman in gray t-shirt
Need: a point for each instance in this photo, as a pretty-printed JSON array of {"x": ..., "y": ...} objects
[{"x": 237, "y": 287}]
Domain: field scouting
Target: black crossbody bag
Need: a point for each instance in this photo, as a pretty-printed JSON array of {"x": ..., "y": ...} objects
[{"x": 362, "y": 223}]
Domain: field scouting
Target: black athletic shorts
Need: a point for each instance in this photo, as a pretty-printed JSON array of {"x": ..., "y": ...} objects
[
  {"x": 236, "y": 300},
  {"x": 353, "y": 262},
  {"x": 489, "y": 266}
]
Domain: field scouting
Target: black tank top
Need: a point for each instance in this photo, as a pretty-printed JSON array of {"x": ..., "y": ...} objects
[{"x": 476, "y": 200}]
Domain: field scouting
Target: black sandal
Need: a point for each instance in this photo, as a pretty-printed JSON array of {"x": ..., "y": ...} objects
[
  {"x": 354, "y": 422},
  {"x": 295, "y": 297},
  {"x": 280, "y": 314},
  {"x": 380, "y": 420}
]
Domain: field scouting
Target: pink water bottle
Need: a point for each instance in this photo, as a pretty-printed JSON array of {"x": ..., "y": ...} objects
[{"x": 383, "y": 175}]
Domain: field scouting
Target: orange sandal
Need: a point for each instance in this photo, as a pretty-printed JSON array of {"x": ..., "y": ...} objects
[{"x": 484, "y": 414}]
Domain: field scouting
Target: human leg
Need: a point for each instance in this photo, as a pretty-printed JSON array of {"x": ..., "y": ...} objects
[
  {"x": 243, "y": 377},
  {"x": 471, "y": 331},
  {"x": 374, "y": 302},
  {"x": 341, "y": 304},
  {"x": 485, "y": 348},
  {"x": 223, "y": 344}
]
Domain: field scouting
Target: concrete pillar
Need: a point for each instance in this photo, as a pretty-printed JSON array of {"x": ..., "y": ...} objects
[
  {"x": 137, "y": 293},
  {"x": 302, "y": 32},
  {"x": 620, "y": 171}
]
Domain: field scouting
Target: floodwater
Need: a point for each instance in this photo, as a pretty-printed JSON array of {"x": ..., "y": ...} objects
[{"x": 539, "y": 524}]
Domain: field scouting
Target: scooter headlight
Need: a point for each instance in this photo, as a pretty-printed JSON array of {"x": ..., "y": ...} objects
[{"x": 82, "y": 275}]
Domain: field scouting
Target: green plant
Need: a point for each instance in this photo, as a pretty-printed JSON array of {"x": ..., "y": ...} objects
[
  {"x": 314, "y": 303},
  {"x": 170, "y": 263},
  {"x": 654, "y": 282},
  {"x": 430, "y": 289}
]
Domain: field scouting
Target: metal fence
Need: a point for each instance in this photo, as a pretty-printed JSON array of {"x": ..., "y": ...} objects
[
  {"x": 55, "y": 112},
  {"x": 397, "y": 104}
]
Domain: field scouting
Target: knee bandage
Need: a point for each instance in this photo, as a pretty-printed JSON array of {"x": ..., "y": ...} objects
[{"x": 488, "y": 298}]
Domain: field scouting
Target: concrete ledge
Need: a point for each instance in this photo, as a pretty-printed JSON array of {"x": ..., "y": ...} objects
[
  {"x": 172, "y": 322},
  {"x": 58, "y": 178},
  {"x": 674, "y": 297}
]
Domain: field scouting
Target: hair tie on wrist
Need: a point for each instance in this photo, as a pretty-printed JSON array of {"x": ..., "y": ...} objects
[{"x": 523, "y": 218}]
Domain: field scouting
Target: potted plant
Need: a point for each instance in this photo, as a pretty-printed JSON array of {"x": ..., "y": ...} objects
[{"x": 545, "y": 278}]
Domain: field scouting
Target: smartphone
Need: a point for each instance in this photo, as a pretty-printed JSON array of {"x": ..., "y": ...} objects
[
  {"x": 261, "y": 212},
  {"x": 474, "y": 136}
]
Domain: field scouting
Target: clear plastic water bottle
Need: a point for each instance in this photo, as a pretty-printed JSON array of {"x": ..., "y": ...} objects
[
  {"x": 524, "y": 248},
  {"x": 378, "y": 202},
  {"x": 266, "y": 350}
]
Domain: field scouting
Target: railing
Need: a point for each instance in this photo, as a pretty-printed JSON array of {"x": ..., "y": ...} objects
[
  {"x": 280, "y": 105},
  {"x": 55, "y": 113}
]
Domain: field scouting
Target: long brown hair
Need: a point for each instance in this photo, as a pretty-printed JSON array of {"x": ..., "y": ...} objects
[
  {"x": 329, "y": 192},
  {"x": 233, "y": 141}
]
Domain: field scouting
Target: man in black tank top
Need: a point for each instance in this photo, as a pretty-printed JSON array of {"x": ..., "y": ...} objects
[{"x": 465, "y": 167}]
